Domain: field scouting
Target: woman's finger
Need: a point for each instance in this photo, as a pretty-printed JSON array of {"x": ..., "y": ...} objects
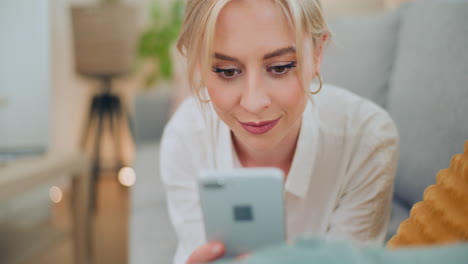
[{"x": 207, "y": 253}]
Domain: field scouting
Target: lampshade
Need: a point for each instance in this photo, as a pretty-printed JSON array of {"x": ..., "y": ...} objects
[{"x": 105, "y": 38}]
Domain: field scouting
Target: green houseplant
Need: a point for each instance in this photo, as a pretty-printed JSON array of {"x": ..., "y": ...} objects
[{"x": 156, "y": 41}]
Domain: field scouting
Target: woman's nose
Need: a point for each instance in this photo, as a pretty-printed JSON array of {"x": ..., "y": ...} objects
[{"x": 255, "y": 98}]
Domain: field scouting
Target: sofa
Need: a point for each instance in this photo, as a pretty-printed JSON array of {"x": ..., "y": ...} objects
[{"x": 413, "y": 61}]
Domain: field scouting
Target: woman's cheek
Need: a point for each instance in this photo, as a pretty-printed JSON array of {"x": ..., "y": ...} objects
[
  {"x": 288, "y": 91},
  {"x": 222, "y": 96}
]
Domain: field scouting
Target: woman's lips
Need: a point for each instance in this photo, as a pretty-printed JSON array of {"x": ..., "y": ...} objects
[{"x": 259, "y": 128}]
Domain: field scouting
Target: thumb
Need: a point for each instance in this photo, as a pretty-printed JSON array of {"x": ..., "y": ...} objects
[{"x": 207, "y": 253}]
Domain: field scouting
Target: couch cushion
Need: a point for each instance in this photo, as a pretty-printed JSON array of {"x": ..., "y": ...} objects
[
  {"x": 148, "y": 189},
  {"x": 151, "y": 114},
  {"x": 361, "y": 54},
  {"x": 399, "y": 213},
  {"x": 151, "y": 236},
  {"x": 429, "y": 92}
]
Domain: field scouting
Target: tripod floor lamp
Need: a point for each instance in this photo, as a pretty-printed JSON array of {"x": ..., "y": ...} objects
[{"x": 105, "y": 47}]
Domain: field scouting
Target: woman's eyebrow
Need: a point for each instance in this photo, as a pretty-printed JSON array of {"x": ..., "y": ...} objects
[
  {"x": 267, "y": 56},
  {"x": 279, "y": 52},
  {"x": 225, "y": 57}
]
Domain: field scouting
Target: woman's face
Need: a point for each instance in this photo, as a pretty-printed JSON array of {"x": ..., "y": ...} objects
[{"x": 253, "y": 85}]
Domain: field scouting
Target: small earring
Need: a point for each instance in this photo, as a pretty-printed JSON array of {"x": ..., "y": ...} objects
[{"x": 321, "y": 84}]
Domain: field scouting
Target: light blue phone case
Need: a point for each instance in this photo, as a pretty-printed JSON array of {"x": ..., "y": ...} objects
[{"x": 243, "y": 208}]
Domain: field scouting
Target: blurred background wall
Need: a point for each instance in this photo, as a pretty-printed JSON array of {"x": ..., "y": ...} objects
[
  {"x": 335, "y": 8},
  {"x": 25, "y": 89},
  {"x": 25, "y": 73}
]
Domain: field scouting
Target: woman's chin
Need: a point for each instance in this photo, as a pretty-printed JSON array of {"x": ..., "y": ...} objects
[{"x": 258, "y": 144}]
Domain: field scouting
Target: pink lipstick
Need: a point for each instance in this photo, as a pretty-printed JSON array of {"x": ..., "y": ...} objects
[{"x": 259, "y": 128}]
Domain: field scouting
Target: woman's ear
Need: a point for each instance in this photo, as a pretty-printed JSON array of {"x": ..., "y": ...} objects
[{"x": 319, "y": 51}]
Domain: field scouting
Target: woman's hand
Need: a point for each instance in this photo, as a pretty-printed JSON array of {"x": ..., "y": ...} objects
[{"x": 207, "y": 253}]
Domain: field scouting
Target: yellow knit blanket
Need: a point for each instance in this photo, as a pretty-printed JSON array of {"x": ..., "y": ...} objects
[{"x": 442, "y": 216}]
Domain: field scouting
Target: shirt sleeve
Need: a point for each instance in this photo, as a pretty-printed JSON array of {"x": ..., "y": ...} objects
[
  {"x": 363, "y": 209},
  {"x": 178, "y": 175}
]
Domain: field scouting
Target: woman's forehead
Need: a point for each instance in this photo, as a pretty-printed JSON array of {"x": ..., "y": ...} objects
[{"x": 252, "y": 26}]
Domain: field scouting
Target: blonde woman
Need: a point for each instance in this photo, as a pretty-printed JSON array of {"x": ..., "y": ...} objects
[{"x": 251, "y": 66}]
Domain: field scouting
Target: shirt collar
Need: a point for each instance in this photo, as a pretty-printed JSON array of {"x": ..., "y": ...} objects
[{"x": 303, "y": 163}]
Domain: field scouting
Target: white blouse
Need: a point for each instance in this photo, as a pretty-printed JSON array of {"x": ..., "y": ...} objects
[{"x": 339, "y": 185}]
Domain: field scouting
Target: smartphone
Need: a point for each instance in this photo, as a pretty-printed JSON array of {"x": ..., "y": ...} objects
[{"x": 243, "y": 208}]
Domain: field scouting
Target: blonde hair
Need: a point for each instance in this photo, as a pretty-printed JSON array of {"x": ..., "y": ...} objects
[{"x": 197, "y": 34}]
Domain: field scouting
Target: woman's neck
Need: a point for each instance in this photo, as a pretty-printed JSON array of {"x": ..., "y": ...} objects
[{"x": 280, "y": 157}]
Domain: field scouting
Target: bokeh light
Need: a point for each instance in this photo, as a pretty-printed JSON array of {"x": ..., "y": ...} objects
[
  {"x": 55, "y": 194},
  {"x": 127, "y": 176}
]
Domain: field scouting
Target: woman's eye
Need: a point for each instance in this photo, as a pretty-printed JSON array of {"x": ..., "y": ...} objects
[
  {"x": 281, "y": 69},
  {"x": 226, "y": 73},
  {"x": 229, "y": 73}
]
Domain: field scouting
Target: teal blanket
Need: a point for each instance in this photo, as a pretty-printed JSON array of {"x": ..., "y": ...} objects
[{"x": 311, "y": 251}]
